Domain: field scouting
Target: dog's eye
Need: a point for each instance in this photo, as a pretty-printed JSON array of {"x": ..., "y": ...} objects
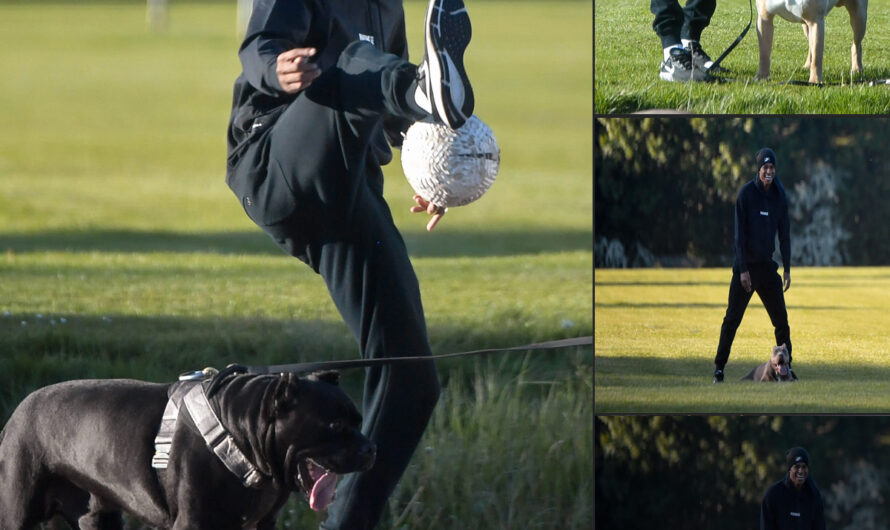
[{"x": 337, "y": 426}]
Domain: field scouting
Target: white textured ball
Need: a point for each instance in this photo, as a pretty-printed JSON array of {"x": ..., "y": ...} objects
[{"x": 450, "y": 167}]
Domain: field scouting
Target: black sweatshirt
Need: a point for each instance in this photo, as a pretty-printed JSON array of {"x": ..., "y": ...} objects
[
  {"x": 329, "y": 26},
  {"x": 786, "y": 508},
  {"x": 759, "y": 215}
]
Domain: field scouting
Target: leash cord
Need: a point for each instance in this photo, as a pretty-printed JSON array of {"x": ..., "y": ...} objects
[
  {"x": 365, "y": 363},
  {"x": 738, "y": 39}
]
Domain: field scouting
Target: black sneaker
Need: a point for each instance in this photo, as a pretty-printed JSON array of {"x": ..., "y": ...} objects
[
  {"x": 443, "y": 87},
  {"x": 700, "y": 59},
  {"x": 678, "y": 67},
  {"x": 718, "y": 376}
]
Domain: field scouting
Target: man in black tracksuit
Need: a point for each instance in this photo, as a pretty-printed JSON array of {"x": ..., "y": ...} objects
[
  {"x": 761, "y": 211},
  {"x": 793, "y": 503},
  {"x": 325, "y": 84}
]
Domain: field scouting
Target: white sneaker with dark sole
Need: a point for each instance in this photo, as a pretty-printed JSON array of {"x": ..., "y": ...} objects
[
  {"x": 678, "y": 67},
  {"x": 443, "y": 79}
]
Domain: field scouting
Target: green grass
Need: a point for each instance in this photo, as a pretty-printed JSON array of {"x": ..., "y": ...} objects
[
  {"x": 628, "y": 54},
  {"x": 656, "y": 334},
  {"x": 124, "y": 254}
]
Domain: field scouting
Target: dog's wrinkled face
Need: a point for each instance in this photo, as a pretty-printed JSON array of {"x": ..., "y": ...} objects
[
  {"x": 780, "y": 362},
  {"x": 318, "y": 436}
]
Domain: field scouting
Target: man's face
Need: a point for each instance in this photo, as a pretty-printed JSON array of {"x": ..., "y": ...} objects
[
  {"x": 767, "y": 173},
  {"x": 799, "y": 473}
]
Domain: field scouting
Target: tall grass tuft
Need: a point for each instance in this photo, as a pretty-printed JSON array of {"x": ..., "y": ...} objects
[{"x": 501, "y": 451}]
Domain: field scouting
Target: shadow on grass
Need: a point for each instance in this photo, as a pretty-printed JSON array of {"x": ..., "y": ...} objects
[
  {"x": 835, "y": 388},
  {"x": 440, "y": 244},
  {"x": 663, "y": 284},
  {"x": 702, "y": 305},
  {"x": 35, "y": 352}
]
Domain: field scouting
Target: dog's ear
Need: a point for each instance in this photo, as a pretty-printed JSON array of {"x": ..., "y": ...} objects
[
  {"x": 329, "y": 376},
  {"x": 286, "y": 391}
]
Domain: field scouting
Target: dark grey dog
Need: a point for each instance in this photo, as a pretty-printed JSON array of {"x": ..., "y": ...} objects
[
  {"x": 776, "y": 369},
  {"x": 83, "y": 450}
]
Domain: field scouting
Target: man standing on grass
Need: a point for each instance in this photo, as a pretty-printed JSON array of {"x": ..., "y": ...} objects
[
  {"x": 680, "y": 29},
  {"x": 324, "y": 86},
  {"x": 793, "y": 503},
  {"x": 761, "y": 211}
]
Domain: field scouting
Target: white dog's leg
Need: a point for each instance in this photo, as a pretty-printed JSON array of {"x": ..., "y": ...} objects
[
  {"x": 806, "y": 33},
  {"x": 764, "y": 41},
  {"x": 816, "y": 34},
  {"x": 858, "y": 15}
]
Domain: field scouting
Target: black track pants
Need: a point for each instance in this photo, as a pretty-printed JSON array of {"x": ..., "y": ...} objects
[
  {"x": 767, "y": 283},
  {"x": 673, "y": 22},
  {"x": 329, "y": 196}
]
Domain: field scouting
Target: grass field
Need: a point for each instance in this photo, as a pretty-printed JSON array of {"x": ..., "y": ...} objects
[
  {"x": 124, "y": 254},
  {"x": 628, "y": 55},
  {"x": 657, "y": 331}
]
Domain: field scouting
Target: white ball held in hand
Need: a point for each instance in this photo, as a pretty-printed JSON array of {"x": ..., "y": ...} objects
[{"x": 450, "y": 167}]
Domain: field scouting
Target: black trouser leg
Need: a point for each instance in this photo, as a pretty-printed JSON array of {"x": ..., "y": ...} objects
[
  {"x": 735, "y": 310},
  {"x": 770, "y": 292},
  {"x": 697, "y": 16},
  {"x": 321, "y": 159},
  {"x": 668, "y": 21}
]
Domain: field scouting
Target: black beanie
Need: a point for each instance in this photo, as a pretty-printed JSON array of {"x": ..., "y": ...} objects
[
  {"x": 765, "y": 155},
  {"x": 796, "y": 455}
]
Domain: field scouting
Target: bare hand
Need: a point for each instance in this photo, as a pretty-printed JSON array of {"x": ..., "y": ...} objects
[
  {"x": 746, "y": 281},
  {"x": 294, "y": 70},
  {"x": 424, "y": 205},
  {"x": 786, "y": 277}
]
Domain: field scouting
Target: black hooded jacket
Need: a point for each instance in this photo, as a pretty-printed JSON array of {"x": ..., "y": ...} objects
[
  {"x": 329, "y": 26},
  {"x": 759, "y": 215},
  {"x": 786, "y": 508}
]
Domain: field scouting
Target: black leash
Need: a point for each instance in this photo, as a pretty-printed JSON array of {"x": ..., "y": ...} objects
[
  {"x": 317, "y": 366},
  {"x": 738, "y": 39}
]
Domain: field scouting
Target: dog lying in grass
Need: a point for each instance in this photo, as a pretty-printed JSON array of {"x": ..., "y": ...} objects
[
  {"x": 776, "y": 369},
  {"x": 811, "y": 14}
]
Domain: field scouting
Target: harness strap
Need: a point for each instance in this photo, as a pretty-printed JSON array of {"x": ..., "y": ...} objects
[
  {"x": 218, "y": 438},
  {"x": 164, "y": 439}
]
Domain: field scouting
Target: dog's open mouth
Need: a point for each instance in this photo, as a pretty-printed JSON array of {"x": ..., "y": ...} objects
[
  {"x": 318, "y": 483},
  {"x": 782, "y": 368}
]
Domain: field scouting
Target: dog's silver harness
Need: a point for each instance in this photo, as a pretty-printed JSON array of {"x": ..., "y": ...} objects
[
  {"x": 164, "y": 439},
  {"x": 217, "y": 438}
]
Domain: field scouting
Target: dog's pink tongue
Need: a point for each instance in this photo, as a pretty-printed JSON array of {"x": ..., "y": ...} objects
[
  {"x": 783, "y": 369},
  {"x": 323, "y": 491}
]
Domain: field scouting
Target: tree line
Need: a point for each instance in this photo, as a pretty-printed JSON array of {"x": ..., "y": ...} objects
[{"x": 712, "y": 471}]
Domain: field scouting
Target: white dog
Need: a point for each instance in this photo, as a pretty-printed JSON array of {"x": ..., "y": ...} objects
[{"x": 811, "y": 13}]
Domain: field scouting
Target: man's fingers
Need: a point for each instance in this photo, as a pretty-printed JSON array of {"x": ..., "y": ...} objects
[
  {"x": 424, "y": 205},
  {"x": 294, "y": 69},
  {"x": 292, "y": 54},
  {"x": 299, "y": 77},
  {"x": 433, "y": 222}
]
